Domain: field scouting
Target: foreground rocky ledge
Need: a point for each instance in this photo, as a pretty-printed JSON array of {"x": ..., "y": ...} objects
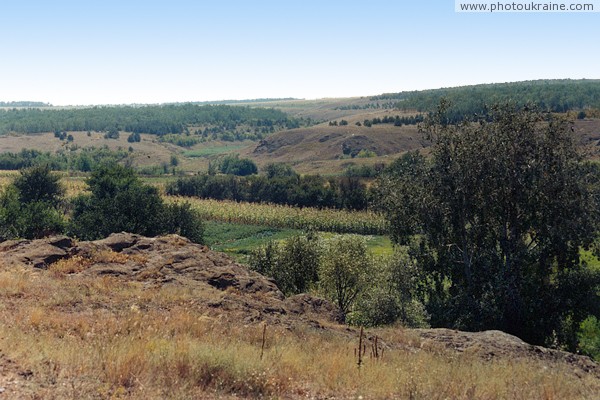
[{"x": 173, "y": 260}]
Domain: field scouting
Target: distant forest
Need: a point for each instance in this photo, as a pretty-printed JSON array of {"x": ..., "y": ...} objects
[
  {"x": 24, "y": 104},
  {"x": 466, "y": 101},
  {"x": 158, "y": 120}
]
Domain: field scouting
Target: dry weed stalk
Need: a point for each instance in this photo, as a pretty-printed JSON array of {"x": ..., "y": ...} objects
[
  {"x": 264, "y": 336},
  {"x": 361, "y": 348}
]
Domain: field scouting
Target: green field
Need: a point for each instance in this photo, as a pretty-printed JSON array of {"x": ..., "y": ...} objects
[
  {"x": 239, "y": 240},
  {"x": 208, "y": 151}
]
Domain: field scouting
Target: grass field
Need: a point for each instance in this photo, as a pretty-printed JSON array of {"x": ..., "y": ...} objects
[
  {"x": 91, "y": 337},
  {"x": 209, "y": 150},
  {"x": 239, "y": 240}
]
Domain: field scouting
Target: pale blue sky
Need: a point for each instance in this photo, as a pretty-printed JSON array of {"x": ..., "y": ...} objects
[{"x": 129, "y": 51}]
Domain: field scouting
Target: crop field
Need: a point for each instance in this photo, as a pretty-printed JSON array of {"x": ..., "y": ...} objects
[{"x": 280, "y": 216}]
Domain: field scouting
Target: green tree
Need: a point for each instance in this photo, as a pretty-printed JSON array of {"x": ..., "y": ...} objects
[
  {"x": 343, "y": 273},
  {"x": 182, "y": 219},
  {"x": 120, "y": 201},
  {"x": 589, "y": 337},
  {"x": 233, "y": 165},
  {"x": 394, "y": 295},
  {"x": 496, "y": 218},
  {"x": 31, "y": 206},
  {"x": 39, "y": 184},
  {"x": 279, "y": 170},
  {"x": 293, "y": 264},
  {"x": 112, "y": 133}
]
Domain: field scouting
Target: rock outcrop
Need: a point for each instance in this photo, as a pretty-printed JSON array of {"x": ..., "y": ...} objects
[{"x": 173, "y": 260}]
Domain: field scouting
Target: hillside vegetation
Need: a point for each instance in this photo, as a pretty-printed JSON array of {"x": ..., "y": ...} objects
[
  {"x": 551, "y": 95},
  {"x": 158, "y": 120}
]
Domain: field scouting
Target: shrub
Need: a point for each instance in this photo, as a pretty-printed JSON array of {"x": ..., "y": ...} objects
[
  {"x": 119, "y": 201},
  {"x": 184, "y": 221},
  {"x": 233, "y": 165},
  {"x": 395, "y": 297},
  {"x": 30, "y": 207},
  {"x": 293, "y": 264},
  {"x": 589, "y": 337},
  {"x": 343, "y": 270}
]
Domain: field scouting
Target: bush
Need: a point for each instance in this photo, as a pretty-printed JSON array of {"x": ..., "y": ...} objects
[
  {"x": 279, "y": 170},
  {"x": 293, "y": 264},
  {"x": 233, "y": 165},
  {"x": 394, "y": 297},
  {"x": 368, "y": 292},
  {"x": 134, "y": 137},
  {"x": 184, "y": 221},
  {"x": 344, "y": 270},
  {"x": 589, "y": 337},
  {"x": 30, "y": 207},
  {"x": 119, "y": 201}
]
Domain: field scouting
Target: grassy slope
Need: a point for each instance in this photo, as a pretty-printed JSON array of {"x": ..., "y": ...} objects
[{"x": 78, "y": 336}]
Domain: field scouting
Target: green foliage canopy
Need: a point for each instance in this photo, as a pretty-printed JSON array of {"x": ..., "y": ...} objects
[
  {"x": 120, "y": 201},
  {"x": 31, "y": 206},
  {"x": 496, "y": 219}
]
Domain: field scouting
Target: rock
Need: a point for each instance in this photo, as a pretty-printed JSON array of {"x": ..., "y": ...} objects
[
  {"x": 353, "y": 145},
  {"x": 174, "y": 260},
  {"x": 119, "y": 241},
  {"x": 497, "y": 344},
  {"x": 38, "y": 253},
  {"x": 303, "y": 304}
]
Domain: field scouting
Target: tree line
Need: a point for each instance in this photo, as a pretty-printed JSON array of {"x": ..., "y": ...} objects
[
  {"x": 24, "y": 104},
  {"x": 549, "y": 95},
  {"x": 33, "y": 206},
  {"x": 81, "y": 159},
  {"x": 279, "y": 187},
  {"x": 158, "y": 120}
]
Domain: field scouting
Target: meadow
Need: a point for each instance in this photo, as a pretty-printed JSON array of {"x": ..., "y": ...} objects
[{"x": 78, "y": 336}]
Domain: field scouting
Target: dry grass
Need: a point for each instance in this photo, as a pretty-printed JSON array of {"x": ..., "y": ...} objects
[
  {"x": 84, "y": 337},
  {"x": 79, "y": 263}
]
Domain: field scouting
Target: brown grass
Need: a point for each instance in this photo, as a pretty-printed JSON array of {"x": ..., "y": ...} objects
[{"x": 85, "y": 337}]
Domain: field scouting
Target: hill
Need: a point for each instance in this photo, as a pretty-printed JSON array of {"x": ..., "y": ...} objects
[
  {"x": 135, "y": 317},
  {"x": 294, "y": 131},
  {"x": 555, "y": 95},
  {"x": 331, "y": 148}
]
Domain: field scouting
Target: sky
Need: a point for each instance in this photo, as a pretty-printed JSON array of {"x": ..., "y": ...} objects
[{"x": 129, "y": 51}]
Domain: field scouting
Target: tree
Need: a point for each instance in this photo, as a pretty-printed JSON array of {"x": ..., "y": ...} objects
[
  {"x": 134, "y": 137},
  {"x": 120, "y": 201},
  {"x": 113, "y": 133},
  {"x": 393, "y": 294},
  {"x": 293, "y": 264},
  {"x": 182, "y": 219},
  {"x": 279, "y": 170},
  {"x": 343, "y": 270},
  {"x": 31, "y": 206},
  {"x": 39, "y": 184},
  {"x": 233, "y": 165},
  {"x": 496, "y": 218}
]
